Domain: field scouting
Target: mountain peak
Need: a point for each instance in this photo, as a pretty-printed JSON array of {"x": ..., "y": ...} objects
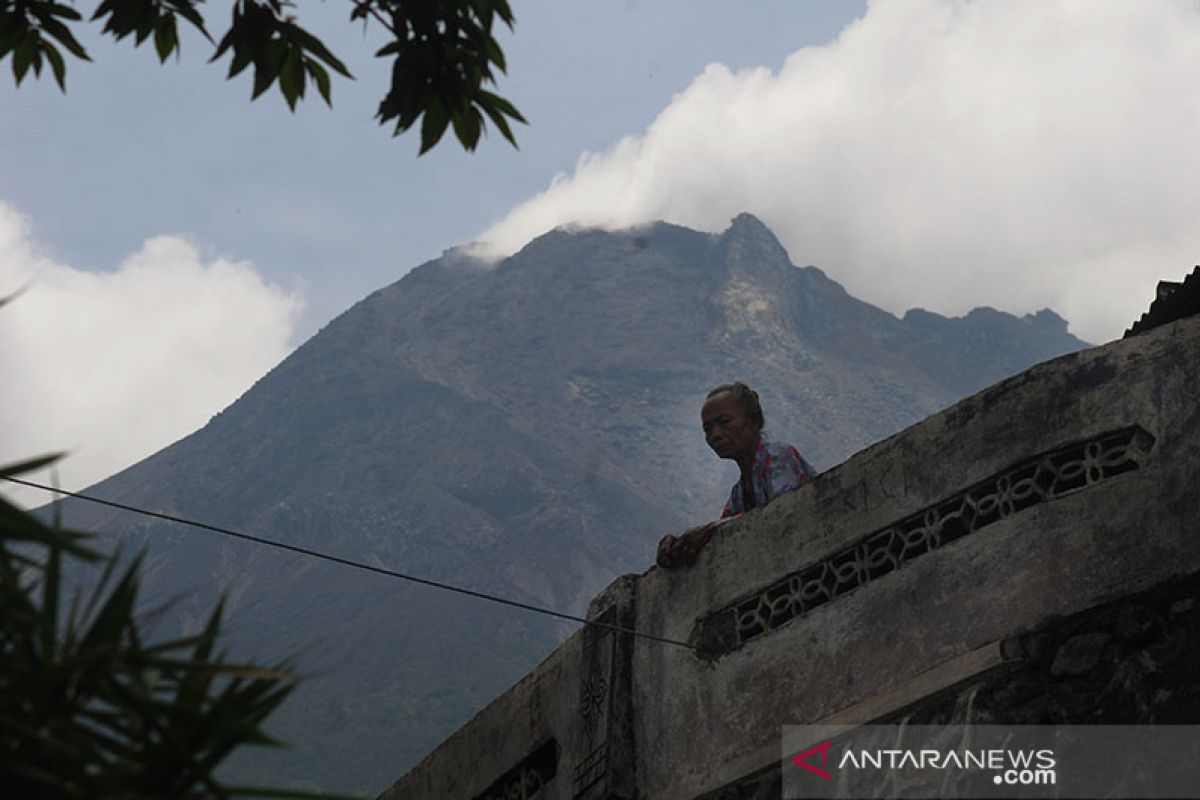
[
  {"x": 747, "y": 227},
  {"x": 1047, "y": 318},
  {"x": 747, "y": 221},
  {"x": 752, "y": 248}
]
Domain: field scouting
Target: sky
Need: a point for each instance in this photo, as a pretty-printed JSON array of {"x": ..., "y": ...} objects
[{"x": 176, "y": 241}]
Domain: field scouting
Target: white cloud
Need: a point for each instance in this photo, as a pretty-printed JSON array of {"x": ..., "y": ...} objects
[
  {"x": 113, "y": 366},
  {"x": 939, "y": 153}
]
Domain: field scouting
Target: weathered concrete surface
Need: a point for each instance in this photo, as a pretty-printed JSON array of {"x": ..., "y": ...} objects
[
  {"x": 1114, "y": 432},
  {"x": 1140, "y": 674},
  {"x": 1145, "y": 673}
]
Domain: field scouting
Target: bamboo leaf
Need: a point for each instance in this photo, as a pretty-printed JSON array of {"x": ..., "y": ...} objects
[
  {"x": 165, "y": 38},
  {"x": 502, "y": 105},
  {"x": 67, "y": 39},
  {"x": 315, "y": 46},
  {"x": 59, "y": 68},
  {"x": 321, "y": 78},
  {"x": 291, "y": 77},
  {"x": 186, "y": 10},
  {"x": 29, "y": 465},
  {"x": 501, "y": 123},
  {"x": 8, "y": 298},
  {"x": 23, "y": 54},
  {"x": 110, "y": 622},
  {"x": 50, "y": 591},
  {"x": 433, "y": 125}
]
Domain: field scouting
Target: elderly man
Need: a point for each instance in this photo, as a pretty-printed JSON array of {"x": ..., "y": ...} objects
[{"x": 733, "y": 421}]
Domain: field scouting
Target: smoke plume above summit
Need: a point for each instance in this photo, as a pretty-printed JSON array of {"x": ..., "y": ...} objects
[{"x": 940, "y": 153}]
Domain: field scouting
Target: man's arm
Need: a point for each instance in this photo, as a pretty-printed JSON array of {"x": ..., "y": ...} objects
[{"x": 681, "y": 550}]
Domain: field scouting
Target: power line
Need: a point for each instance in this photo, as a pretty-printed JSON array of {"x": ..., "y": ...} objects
[{"x": 346, "y": 562}]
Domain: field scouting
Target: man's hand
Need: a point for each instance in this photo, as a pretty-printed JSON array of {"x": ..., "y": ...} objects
[
  {"x": 693, "y": 540},
  {"x": 682, "y": 550},
  {"x": 666, "y": 551}
]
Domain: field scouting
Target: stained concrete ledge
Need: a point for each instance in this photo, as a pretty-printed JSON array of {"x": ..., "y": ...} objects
[{"x": 891, "y": 577}]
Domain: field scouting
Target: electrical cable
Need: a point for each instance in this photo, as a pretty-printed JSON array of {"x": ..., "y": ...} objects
[{"x": 348, "y": 563}]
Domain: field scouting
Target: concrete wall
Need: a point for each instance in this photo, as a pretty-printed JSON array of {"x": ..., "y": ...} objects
[{"x": 893, "y": 576}]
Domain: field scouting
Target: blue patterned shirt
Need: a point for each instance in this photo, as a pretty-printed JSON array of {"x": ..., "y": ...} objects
[{"x": 778, "y": 469}]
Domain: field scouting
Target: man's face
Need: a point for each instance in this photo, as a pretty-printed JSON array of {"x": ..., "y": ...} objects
[{"x": 729, "y": 431}]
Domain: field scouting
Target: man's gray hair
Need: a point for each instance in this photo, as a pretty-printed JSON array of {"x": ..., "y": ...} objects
[{"x": 747, "y": 397}]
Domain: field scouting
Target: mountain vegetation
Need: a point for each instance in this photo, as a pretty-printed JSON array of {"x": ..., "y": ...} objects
[{"x": 528, "y": 428}]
